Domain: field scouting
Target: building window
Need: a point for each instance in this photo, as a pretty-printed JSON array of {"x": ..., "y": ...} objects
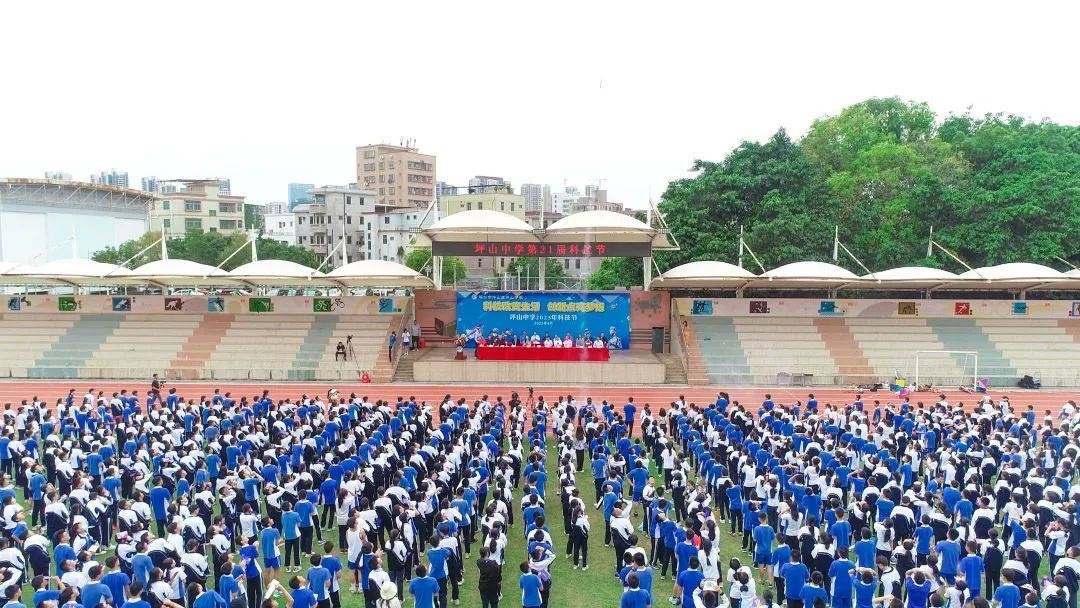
[
  {"x": 193, "y": 223},
  {"x": 348, "y": 219},
  {"x": 348, "y": 200},
  {"x": 468, "y": 206},
  {"x": 369, "y": 153},
  {"x": 502, "y": 205},
  {"x": 384, "y": 239},
  {"x": 393, "y": 189},
  {"x": 228, "y": 224},
  {"x": 227, "y": 207},
  {"x": 577, "y": 264},
  {"x": 369, "y": 166},
  {"x": 164, "y": 205},
  {"x": 212, "y": 213},
  {"x": 382, "y": 191},
  {"x": 386, "y": 219},
  {"x": 566, "y": 263},
  {"x": 166, "y": 223},
  {"x": 191, "y": 206}
]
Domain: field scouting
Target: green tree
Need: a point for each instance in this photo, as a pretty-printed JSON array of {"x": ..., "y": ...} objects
[
  {"x": 453, "y": 269},
  {"x": 995, "y": 189},
  {"x": 615, "y": 273},
  {"x": 206, "y": 248},
  {"x": 529, "y": 268},
  {"x": 127, "y": 250}
]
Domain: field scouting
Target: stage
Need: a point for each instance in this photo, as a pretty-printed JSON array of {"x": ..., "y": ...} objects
[{"x": 624, "y": 367}]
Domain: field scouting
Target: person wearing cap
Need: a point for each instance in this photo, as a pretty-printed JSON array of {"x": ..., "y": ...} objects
[{"x": 388, "y": 596}]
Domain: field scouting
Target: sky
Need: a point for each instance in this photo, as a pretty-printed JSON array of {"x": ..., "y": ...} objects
[{"x": 554, "y": 92}]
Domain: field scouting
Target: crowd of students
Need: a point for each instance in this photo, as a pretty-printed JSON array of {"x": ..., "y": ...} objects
[{"x": 205, "y": 501}]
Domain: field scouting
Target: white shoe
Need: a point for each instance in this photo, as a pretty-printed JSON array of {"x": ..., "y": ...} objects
[{"x": 585, "y": 567}]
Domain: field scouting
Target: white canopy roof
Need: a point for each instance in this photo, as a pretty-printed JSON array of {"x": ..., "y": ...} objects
[
  {"x": 279, "y": 273},
  {"x": 72, "y": 271},
  {"x": 605, "y": 225},
  {"x": 910, "y": 277},
  {"x": 1014, "y": 275},
  {"x": 379, "y": 273},
  {"x": 183, "y": 273},
  {"x": 480, "y": 225},
  {"x": 807, "y": 274},
  {"x": 704, "y": 274}
]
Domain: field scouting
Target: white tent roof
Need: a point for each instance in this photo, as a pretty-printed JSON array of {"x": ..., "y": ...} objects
[
  {"x": 279, "y": 273},
  {"x": 482, "y": 224},
  {"x": 607, "y": 225},
  {"x": 910, "y": 277},
  {"x": 704, "y": 274},
  {"x": 183, "y": 273},
  {"x": 379, "y": 273},
  {"x": 1022, "y": 271},
  {"x": 72, "y": 271},
  {"x": 1014, "y": 275},
  {"x": 807, "y": 274},
  {"x": 1074, "y": 273}
]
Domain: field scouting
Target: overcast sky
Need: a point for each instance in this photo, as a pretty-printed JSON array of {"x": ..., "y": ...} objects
[{"x": 575, "y": 91}]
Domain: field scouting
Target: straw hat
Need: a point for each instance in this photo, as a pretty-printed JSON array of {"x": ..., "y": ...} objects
[{"x": 388, "y": 591}]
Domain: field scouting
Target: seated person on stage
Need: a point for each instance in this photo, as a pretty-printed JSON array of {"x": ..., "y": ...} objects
[
  {"x": 536, "y": 339},
  {"x": 598, "y": 343},
  {"x": 547, "y": 341},
  {"x": 567, "y": 342},
  {"x": 481, "y": 341},
  {"x": 556, "y": 342},
  {"x": 580, "y": 343},
  {"x": 523, "y": 339}
]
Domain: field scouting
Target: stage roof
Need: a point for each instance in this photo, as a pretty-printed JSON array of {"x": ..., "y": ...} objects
[
  {"x": 606, "y": 226},
  {"x": 481, "y": 225}
]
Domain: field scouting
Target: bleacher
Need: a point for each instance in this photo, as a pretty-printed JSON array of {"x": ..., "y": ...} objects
[
  {"x": 856, "y": 350},
  {"x": 190, "y": 346}
]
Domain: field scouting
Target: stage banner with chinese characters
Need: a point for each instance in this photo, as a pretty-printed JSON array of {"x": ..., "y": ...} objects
[
  {"x": 544, "y": 314},
  {"x": 591, "y": 249}
]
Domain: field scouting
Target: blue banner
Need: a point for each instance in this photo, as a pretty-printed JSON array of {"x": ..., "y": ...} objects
[{"x": 545, "y": 314}]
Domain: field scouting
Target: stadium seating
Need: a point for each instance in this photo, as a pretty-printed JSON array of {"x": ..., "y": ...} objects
[
  {"x": 837, "y": 351},
  {"x": 190, "y": 346}
]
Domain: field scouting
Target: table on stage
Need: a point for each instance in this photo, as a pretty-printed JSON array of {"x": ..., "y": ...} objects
[{"x": 541, "y": 353}]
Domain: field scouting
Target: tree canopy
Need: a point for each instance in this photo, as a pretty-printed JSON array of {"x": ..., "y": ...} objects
[
  {"x": 453, "y": 269},
  {"x": 207, "y": 248},
  {"x": 995, "y": 188}
]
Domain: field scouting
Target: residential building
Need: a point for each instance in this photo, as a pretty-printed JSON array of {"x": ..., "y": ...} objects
[
  {"x": 371, "y": 230},
  {"x": 501, "y": 198},
  {"x": 299, "y": 193},
  {"x": 483, "y": 183},
  {"x": 150, "y": 184},
  {"x": 444, "y": 189},
  {"x": 279, "y": 224},
  {"x": 196, "y": 205},
  {"x": 58, "y": 175},
  {"x": 400, "y": 175},
  {"x": 537, "y": 196},
  {"x": 112, "y": 177}
]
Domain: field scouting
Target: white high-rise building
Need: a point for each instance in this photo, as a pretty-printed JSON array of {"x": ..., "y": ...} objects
[
  {"x": 112, "y": 177},
  {"x": 537, "y": 196}
]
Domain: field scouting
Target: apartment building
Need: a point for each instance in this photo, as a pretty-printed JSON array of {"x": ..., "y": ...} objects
[{"x": 399, "y": 175}]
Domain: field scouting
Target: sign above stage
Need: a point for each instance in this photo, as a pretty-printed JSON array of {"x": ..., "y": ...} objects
[{"x": 592, "y": 249}]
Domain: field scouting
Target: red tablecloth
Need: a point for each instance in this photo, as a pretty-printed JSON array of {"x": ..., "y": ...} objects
[{"x": 528, "y": 353}]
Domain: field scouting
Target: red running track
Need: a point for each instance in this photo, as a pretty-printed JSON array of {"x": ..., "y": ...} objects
[{"x": 50, "y": 390}]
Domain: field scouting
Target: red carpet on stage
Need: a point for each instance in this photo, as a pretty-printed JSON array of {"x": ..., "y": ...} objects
[{"x": 532, "y": 353}]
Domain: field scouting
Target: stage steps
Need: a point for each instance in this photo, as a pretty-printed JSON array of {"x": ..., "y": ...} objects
[
  {"x": 404, "y": 371},
  {"x": 674, "y": 373}
]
